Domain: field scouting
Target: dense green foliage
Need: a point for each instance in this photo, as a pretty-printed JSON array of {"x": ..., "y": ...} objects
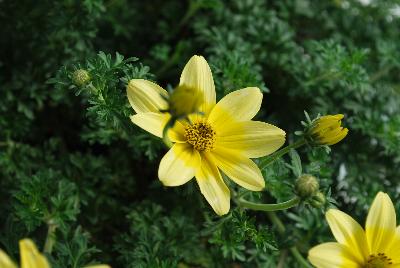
[{"x": 71, "y": 158}]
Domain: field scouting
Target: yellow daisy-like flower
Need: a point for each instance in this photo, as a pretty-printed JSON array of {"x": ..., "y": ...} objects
[
  {"x": 376, "y": 247},
  {"x": 220, "y": 137},
  {"x": 327, "y": 130},
  {"x": 30, "y": 257}
]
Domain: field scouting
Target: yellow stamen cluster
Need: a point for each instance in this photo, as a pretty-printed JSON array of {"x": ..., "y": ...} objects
[
  {"x": 185, "y": 100},
  {"x": 327, "y": 130},
  {"x": 378, "y": 261},
  {"x": 201, "y": 136}
]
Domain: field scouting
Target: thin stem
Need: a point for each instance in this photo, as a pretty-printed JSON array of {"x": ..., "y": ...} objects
[
  {"x": 281, "y": 153},
  {"x": 269, "y": 207},
  {"x": 50, "y": 238},
  {"x": 281, "y": 230}
]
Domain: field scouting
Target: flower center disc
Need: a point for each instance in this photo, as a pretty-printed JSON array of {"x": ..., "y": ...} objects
[
  {"x": 378, "y": 261},
  {"x": 201, "y": 136}
]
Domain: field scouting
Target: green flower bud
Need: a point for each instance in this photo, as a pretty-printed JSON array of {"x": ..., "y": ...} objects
[
  {"x": 80, "y": 77},
  {"x": 318, "y": 200},
  {"x": 306, "y": 186},
  {"x": 185, "y": 100}
]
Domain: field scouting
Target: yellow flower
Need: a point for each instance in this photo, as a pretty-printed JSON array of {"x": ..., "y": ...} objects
[
  {"x": 30, "y": 257},
  {"x": 376, "y": 247},
  {"x": 220, "y": 137},
  {"x": 327, "y": 130}
]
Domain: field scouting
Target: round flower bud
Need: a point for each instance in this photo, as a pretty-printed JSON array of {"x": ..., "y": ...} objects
[
  {"x": 80, "y": 77},
  {"x": 306, "y": 186},
  {"x": 318, "y": 200},
  {"x": 185, "y": 100}
]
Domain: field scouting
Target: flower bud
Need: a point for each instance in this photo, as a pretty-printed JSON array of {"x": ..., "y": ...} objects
[
  {"x": 80, "y": 77},
  {"x": 318, "y": 200},
  {"x": 185, "y": 100},
  {"x": 327, "y": 130},
  {"x": 306, "y": 186}
]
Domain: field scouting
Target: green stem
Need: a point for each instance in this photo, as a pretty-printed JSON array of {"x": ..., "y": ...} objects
[
  {"x": 269, "y": 207},
  {"x": 281, "y": 230},
  {"x": 50, "y": 238},
  {"x": 281, "y": 152}
]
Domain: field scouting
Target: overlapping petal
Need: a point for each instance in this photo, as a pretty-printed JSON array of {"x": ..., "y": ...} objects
[
  {"x": 252, "y": 138},
  {"x": 381, "y": 223},
  {"x": 349, "y": 233},
  {"x": 212, "y": 186},
  {"x": 239, "y": 168},
  {"x": 197, "y": 74},
  {"x": 332, "y": 255},
  {"x": 5, "y": 261},
  {"x": 30, "y": 256},
  {"x": 239, "y": 105},
  {"x": 179, "y": 165},
  {"x": 146, "y": 96},
  {"x": 151, "y": 122}
]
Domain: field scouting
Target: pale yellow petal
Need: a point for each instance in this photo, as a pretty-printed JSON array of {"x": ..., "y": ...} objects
[
  {"x": 179, "y": 165},
  {"x": 239, "y": 105},
  {"x": 239, "y": 168},
  {"x": 177, "y": 132},
  {"x": 332, "y": 255},
  {"x": 151, "y": 122},
  {"x": 146, "y": 96},
  {"x": 394, "y": 249},
  {"x": 197, "y": 74},
  {"x": 5, "y": 261},
  {"x": 349, "y": 233},
  {"x": 252, "y": 138},
  {"x": 381, "y": 223},
  {"x": 212, "y": 186},
  {"x": 30, "y": 256}
]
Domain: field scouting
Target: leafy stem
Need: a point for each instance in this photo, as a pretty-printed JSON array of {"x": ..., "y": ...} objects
[
  {"x": 50, "y": 238},
  {"x": 269, "y": 207}
]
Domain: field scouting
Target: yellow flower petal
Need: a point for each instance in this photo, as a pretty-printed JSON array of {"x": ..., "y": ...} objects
[
  {"x": 30, "y": 256},
  {"x": 381, "y": 223},
  {"x": 349, "y": 233},
  {"x": 239, "y": 168},
  {"x": 179, "y": 165},
  {"x": 145, "y": 96},
  {"x": 5, "y": 261},
  {"x": 332, "y": 255},
  {"x": 240, "y": 105},
  {"x": 197, "y": 74},
  {"x": 212, "y": 186},
  {"x": 151, "y": 122},
  {"x": 252, "y": 138},
  {"x": 177, "y": 132}
]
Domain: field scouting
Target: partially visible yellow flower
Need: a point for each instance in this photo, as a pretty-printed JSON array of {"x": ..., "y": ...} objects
[
  {"x": 185, "y": 100},
  {"x": 327, "y": 130},
  {"x": 30, "y": 257},
  {"x": 376, "y": 247},
  {"x": 220, "y": 137}
]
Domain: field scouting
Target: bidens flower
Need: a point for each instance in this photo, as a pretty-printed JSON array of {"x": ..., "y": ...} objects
[
  {"x": 327, "y": 130},
  {"x": 220, "y": 137},
  {"x": 376, "y": 247},
  {"x": 30, "y": 257}
]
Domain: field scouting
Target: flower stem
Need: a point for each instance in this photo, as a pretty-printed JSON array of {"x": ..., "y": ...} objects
[
  {"x": 269, "y": 207},
  {"x": 281, "y": 230},
  {"x": 281, "y": 152},
  {"x": 50, "y": 238}
]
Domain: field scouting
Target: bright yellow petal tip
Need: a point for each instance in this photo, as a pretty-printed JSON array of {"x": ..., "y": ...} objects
[
  {"x": 30, "y": 256},
  {"x": 5, "y": 261}
]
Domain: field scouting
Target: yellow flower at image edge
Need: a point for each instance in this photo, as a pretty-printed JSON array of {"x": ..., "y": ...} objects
[
  {"x": 327, "y": 130},
  {"x": 221, "y": 136},
  {"x": 376, "y": 247},
  {"x": 30, "y": 257}
]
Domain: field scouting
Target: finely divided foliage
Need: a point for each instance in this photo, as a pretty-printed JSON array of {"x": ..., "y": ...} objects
[{"x": 81, "y": 182}]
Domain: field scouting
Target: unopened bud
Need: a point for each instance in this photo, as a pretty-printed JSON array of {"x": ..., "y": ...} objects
[
  {"x": 306, "y": 186},
  {"x": 80, "y": 77},
  {"x": 318, "y": 200},
  {"x": 185, "y": 100},
  {"x": 327, "y": 130}
]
